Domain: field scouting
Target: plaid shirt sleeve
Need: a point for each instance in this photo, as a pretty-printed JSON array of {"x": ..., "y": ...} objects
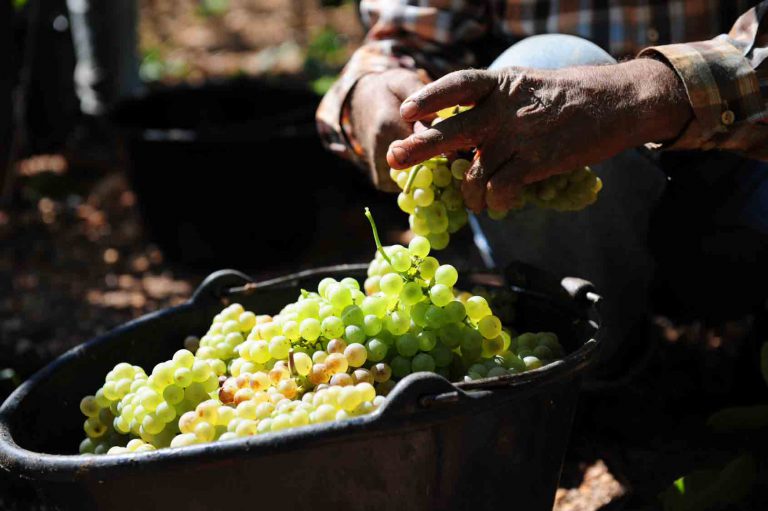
[
  {"x": 726, "y": 80},
  {"x": 426, "y": 35}
]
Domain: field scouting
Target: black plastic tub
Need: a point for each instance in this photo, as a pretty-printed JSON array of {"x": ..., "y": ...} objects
[
  {"x": 235, "y": 164},
  {"x": 490, "y": 444}
]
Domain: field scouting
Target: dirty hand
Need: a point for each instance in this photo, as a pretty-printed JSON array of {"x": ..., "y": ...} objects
[
  {"x": 376, "y": 121},
  {"x": 530, "y": 124}
]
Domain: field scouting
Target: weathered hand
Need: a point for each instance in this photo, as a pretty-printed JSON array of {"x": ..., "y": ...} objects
[
  {"x": 376, "y": 121},
  {"x": 530, "y": 124}
]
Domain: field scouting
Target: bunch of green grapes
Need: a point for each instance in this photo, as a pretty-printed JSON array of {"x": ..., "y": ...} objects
[
  {"x": 431, "y": 193},
  {"x": 334, "y": 353}
]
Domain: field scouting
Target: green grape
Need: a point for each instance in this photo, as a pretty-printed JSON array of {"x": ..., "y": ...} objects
[
  {"x": 411, "y": 293},
  {"x": 423, "y": 362},
  {"x": 419, "y": 312},
  {"x": 496, "y": 372},
  {"x": 442, "y": 355},
  {"x": 279, "y": 347},
  {"x": 309, "y": 330},
  {"x": 407, "y": 345},
  {"x": 377, "y": 350},
  {"x": 372, "y": 325},
  {"x": 471, "y": 341},
  {"x": 435, "y": 317},
  {"x": 440, "y": 295},
  {"x": 259, "y": 353},
  {"x": 356, "y": 354},
  {"x": 354, "y": 334},
  {"x": 423, "y": 178},
  {"x": 391, "y": 284},
  {"x": 532, "y": 362},
  {"x": 291, "y": 330},
  {"x": 375, "y": 305},
  {"x": 512, "y": 361},
  {"x": 439, "y": 240},
  {"x": 397, "y": 323},
  {"x": 89, "y": 407},
  {"x": 302, "y": 363},
  {"x": 419, "y": 247},
  {"x": 401, "y": 366},
  {"x": 455, "y": 311},
  {"x": 406, "y": 203},
  {"x": 427, "y": 340},
  {"x": 459, "y": 167},
  {"x": 428, "y": 267},
  {"x": 401, "y": 261},
  {"x": 526, "y": 341},
  {"x": 323, "y": 285},
  {"x": 543, "y": 353},
  {"x": 456, "y": 220},
  {"x": 353, "y": 315},
  {"x": 489, "y": 327},
  {"x": 418, "y": 225},
  {"x": 453, "y": 201},
  {"x": 477, "y": 308},
  {"x": 423, "y": 197},
  {"x": 442, "y": 176},
  {"x": 446, "y": 275},
  {"x": 339, "y": 296},
  {"x": 491, "y": 347},
  {"x": 332, "y": 327},
  {"x": 451, "y": 334}
]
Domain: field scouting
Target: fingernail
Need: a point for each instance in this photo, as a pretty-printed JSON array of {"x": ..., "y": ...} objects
[
  {"x": 408, "y": 109},
  {"x": 398, "y": 153}
]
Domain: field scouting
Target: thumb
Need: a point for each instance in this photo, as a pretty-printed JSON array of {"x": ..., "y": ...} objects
[{"x": 405, "y": 82}]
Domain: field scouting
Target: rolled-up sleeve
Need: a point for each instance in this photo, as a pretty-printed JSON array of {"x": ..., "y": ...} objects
[
  {"x": 425, "y": 35},
  {"x": 726, "y": 80}
]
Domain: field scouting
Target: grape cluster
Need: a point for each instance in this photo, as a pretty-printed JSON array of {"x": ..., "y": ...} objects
[
  {"x": 432, "y": 198},
  {"x": 332, "y": 354},
  {"x": 431, "y": 193}
]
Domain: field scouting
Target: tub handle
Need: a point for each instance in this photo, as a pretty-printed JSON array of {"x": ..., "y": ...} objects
[
  {"x": 581, "y": 290},
  {"x": 419, "y": 391},
  {"x": 217, "y": 285}
]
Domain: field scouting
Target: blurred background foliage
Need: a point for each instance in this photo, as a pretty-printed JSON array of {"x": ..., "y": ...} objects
[{"x": 193, "y": 41}]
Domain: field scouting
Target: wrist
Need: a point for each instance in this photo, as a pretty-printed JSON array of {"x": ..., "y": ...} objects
[{"x": 661, "y": 109}]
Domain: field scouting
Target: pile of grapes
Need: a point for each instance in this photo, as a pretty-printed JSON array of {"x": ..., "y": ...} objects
[
  {"x": 333, "y": 354},
  {"x": 431, "y": 193}
]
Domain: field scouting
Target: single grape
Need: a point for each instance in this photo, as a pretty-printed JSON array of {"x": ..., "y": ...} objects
[
  {"x": 377, "y": 350},
  {"x": 401, "y": 366},
  {"x": 407, "y": 345},
  {"x": 423, "y": 362},
  {"x": 440, "y": 295},
  {"x": 391, "y": 284},
  {"x": 446, "y": 275},
  {"x": 419, "y": 246}
]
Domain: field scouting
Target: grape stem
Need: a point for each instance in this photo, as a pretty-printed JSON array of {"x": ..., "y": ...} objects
[
  {"x": 411, "y": 178},
  {"x": 291, "y": 364},
  {"x": 369, "y": 216}
]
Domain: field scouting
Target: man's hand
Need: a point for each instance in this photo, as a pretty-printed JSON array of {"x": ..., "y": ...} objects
[
  {"x": 530, "y": 124},
  {"x": 376, "y": 121}
]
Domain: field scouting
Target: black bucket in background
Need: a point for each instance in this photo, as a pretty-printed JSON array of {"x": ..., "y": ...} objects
[
  {"x": 234, "y": 174},
  {"x": 496, "y": 443}
]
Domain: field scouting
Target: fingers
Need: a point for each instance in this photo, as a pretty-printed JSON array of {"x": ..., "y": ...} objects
[
  {"x": 473, "y": 186},
  {"x": 505, "y": 187},
  {"x": 487, "y": 162},
  {"x": 458, "y": 88},
  {"x": 460, "y": 132}
]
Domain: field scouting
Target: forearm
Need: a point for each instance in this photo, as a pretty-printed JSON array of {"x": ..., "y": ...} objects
[{"x": 726, "y": 86}]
